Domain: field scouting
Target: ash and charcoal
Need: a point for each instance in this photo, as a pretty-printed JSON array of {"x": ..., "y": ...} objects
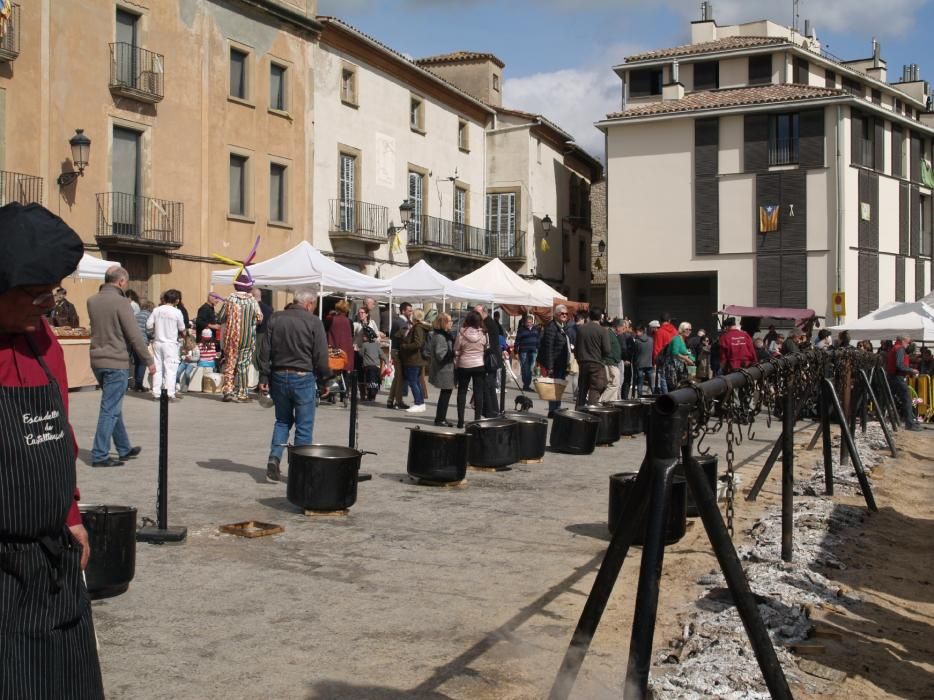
[
  {"x": 713, "y": 656},
  {"x": 811, "y": 481}
]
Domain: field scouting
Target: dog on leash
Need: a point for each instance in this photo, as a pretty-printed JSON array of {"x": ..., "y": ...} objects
[{"x": 523, "y": 403}]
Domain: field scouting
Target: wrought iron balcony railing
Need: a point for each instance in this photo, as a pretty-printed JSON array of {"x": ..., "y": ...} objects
[
  {"x": 17, "y": 187},
  {"x": 352, "y": 219},
  {"x": 783, "y": 151},
  {"x": 507, "y": 244},
  {"x": 140, "y": 221},
  {"x": 9, "y": 41},
  {"x": 136, "y": 73},
  {"x": 457, "y": 238}
]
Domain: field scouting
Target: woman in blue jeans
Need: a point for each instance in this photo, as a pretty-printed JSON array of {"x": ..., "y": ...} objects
[
  {"x": 412, "y": 359},
  {"x": 527, "y": 339}
]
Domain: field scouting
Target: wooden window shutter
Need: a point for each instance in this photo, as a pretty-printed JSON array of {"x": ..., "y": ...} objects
[
  {"x": 899, "y": 278},
  {"x": 878, "y": 143},
  {"x": 868, "y": 284},
  {"x": 914, "y": 164},
  {"x": 914, "y": 221},
  {"x": 811, "y": 139},
  {"x": 919, "y": 279},
  {"x": 904, "y": 205},
  {"x": 794, "y": 234},
  {"x": 856, "y": 137},
  {"x": 768, "y": 193},
  {"x": 865, "y": 198},
  {"x": 876, "y": 215},
  {"x": 706, "y": 187},
  {"x": 755, "y": 143},
  {"x": 794, "y": 280},
  {"x": 768, "y": 280},
  {"x": 898, "y": 140}
]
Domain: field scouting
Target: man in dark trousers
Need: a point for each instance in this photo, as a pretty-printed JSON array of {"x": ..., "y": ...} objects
[
  {"x": 592, "y": 346},
  {"x": 736, "y": 348},
  {"x": 897, "y": 368},
  {"x": 47, "y": 647},
  {"x": 492, "y": 327},
  {"x": 293, "y": 359},
  {"x": 397, "y": 329},
  {"x": 554, "y": 351}
]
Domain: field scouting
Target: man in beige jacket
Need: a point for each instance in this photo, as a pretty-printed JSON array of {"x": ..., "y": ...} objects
[{"x": 113, "y": 330}]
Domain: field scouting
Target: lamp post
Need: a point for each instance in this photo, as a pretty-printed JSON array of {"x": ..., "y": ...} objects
[
  {"x": 80, "y": 157},
  {"x": 546, "y": 225},
  {"x": 405, "y": 216}
]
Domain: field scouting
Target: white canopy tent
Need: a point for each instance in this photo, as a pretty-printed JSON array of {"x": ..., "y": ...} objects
[
  {"x": 92, "y": 268},
  {"x": 306, "y": 266},
  {"x": 540, "y": 286},
  {"x": 422, "y": 281},
  {"x": 505, "y": 286},
  {"x": 914, "y": 319}
]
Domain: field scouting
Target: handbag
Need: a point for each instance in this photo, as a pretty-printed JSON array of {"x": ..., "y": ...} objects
[
  {"x": 337, "y": 360},
  {"x": 492, "y": 359}
]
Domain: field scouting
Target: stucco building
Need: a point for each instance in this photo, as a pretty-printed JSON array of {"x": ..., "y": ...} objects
[
  {"x": 748, "y": 167},
  {"x": 200, "y": 127}
]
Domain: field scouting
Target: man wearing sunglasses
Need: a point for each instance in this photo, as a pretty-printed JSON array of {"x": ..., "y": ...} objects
[{"x": 554, "y": 351}]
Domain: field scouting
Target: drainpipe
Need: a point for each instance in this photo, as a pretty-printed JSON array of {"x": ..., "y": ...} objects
[{"x": 841, "y": 202}]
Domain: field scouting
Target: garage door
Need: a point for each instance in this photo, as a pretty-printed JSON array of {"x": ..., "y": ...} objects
[{"x": 691, "y": 298}]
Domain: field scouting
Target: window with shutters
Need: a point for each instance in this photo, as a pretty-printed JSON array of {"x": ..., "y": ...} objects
[
  {"x": 854, "y": 87},
  {"x": 802, "y": 72},
  {"x": 501, "y": 218},
  {"x": 898, "y": 151},
  {"x": 277, "y": 87},
  {"x": 877, "y": 97},
  {"x": 924, "y": 215},
  {"x": 645, "y": 82},
  {"x": 239, "y": 74},
  {"x": 417, "y": 114},
  {"x": 349, "y": 85},
  {"x": 707, "y": 75},
  {"x": 864, "y": 142},
  {"x": 463, "y": 136},
  {"x": 278, "y": 193},
  {"x": 417, "y": 200},
  {"x": 760, "y": 69},
  {"x": 783, "y": 138},
  {"x": 830, "y": 79},
  {"x": 347, "y": 192},
  {"x": 239, "y": 185}
]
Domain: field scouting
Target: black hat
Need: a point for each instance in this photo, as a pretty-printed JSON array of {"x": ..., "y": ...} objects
[
  {"x": 36, "y": 247},
  {"x": 729, "y": 321}
]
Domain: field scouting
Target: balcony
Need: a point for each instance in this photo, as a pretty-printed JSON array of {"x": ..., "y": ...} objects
[
  {"x": 9, "y": 42},
  {"x": 143, "y": 223},
  {"x": 428, "y": 234},
  {"x": 136, "y": 73},
  {"x": 351, "y": 220},
  {"x": 783, "y": 151},
  {"x": 17, "y": 187}
]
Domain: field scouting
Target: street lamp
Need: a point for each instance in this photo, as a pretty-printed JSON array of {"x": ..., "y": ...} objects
[
  {"x": 601, "y": 247},
  {"x": 405, "y": 215},
  {"x": 546, "y": 225},
  {"x": 80, "y": 156}
]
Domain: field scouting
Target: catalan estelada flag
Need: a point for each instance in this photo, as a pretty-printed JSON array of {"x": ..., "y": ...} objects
[{"x": 768, "y": 218}]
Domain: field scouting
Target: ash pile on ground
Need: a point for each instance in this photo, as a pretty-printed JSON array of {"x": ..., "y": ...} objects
[
  {"x": 810, "y": 481},
  {"x": 713, "y": 656}
]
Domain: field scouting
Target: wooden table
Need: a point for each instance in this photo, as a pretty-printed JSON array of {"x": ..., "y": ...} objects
[{"x": 78, "y": 362}]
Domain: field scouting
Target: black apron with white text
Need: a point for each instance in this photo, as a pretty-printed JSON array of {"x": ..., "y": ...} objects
[{"x": 47, "y": 647}]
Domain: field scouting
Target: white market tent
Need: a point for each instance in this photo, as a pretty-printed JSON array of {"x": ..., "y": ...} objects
[
  {"x": 421, "y": 281},
  {"x": 914, "y": 319},
  {"x": 540, "y": 286},
  {"x": 506, "y": 286},
  {"x": 306, "y": 266},
  {"x": 92, "y": 268}
]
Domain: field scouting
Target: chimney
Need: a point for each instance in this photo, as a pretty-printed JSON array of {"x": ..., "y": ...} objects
[
  {"x": 675, "y": 72},
  {"x": 878, "y": 68},
  {"x": 876, "y": 53},
  {"x": 706, "y": 11},
  {"x": 807, "y": 29},
  {"x": 905, "y": 73},
  {"x": 673, "y": 90}
]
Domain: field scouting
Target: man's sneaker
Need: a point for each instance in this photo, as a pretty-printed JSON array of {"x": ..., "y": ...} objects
[
  {"x": 417, "y": 408},
  {"x": 272, "y": 470}
]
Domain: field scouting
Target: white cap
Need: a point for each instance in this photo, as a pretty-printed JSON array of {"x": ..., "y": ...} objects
[{"x": 654, "y": 324}]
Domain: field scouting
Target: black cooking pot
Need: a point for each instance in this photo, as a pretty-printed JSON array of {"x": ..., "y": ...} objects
[
  {"x": 494, "y": 442},
  {"x": 574, "y": 432},
  {"x": 533, "y": 434},
  {"x": 112, "y": 538},
  {"x": 608, "y": 430},
  {"x": 631, "y": 415},
  {"x": 709, "y": 464},
  {"x": 323, "y": 477},
  {"x": 438, "y": 455},
  {"x": 675, "y": 525}
]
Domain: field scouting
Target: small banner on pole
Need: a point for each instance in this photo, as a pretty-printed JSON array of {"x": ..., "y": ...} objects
[{"x": 838, "y": 303}]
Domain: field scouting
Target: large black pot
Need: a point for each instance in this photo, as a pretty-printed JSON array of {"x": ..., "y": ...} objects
[
  {"x": 323, "y": 477},
  {"x": 438, "y": 455},
  {"x": 631, "y": 415},
  {"x": 608, "y": 431},
  {"x": 675, "y": 525},
  {"x": 494, "y": 442},
  {"x": 574, "y": 432},
  {"x": 709, "y": 464},
  {"x": 533, "y": 434},
  {"x": 112, "y": 537}
]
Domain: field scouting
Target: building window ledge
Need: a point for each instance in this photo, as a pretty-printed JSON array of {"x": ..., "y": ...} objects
[
  {"x": 350, "y": 103},
  {"x": 241, "y": 218},
  {"x": 280, "y": 113},
  {"x": 240, "y": 101},
  {"x": 418, "y": 130},
  {"x": 279, "y": 224}
]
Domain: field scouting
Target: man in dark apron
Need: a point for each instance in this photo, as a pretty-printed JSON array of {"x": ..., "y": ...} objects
[{"x": 47, "y": 646}]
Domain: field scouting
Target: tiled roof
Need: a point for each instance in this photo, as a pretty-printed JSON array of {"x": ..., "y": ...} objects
[
  {"x": 336, "y": 21},
  {"x": 730, "y": 97},
  {"x": 729, "y": 43},
  {"x": 457, "y": 56}
]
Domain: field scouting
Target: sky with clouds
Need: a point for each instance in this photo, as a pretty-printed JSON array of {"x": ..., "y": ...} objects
[{"x": 559, "y": 53}]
